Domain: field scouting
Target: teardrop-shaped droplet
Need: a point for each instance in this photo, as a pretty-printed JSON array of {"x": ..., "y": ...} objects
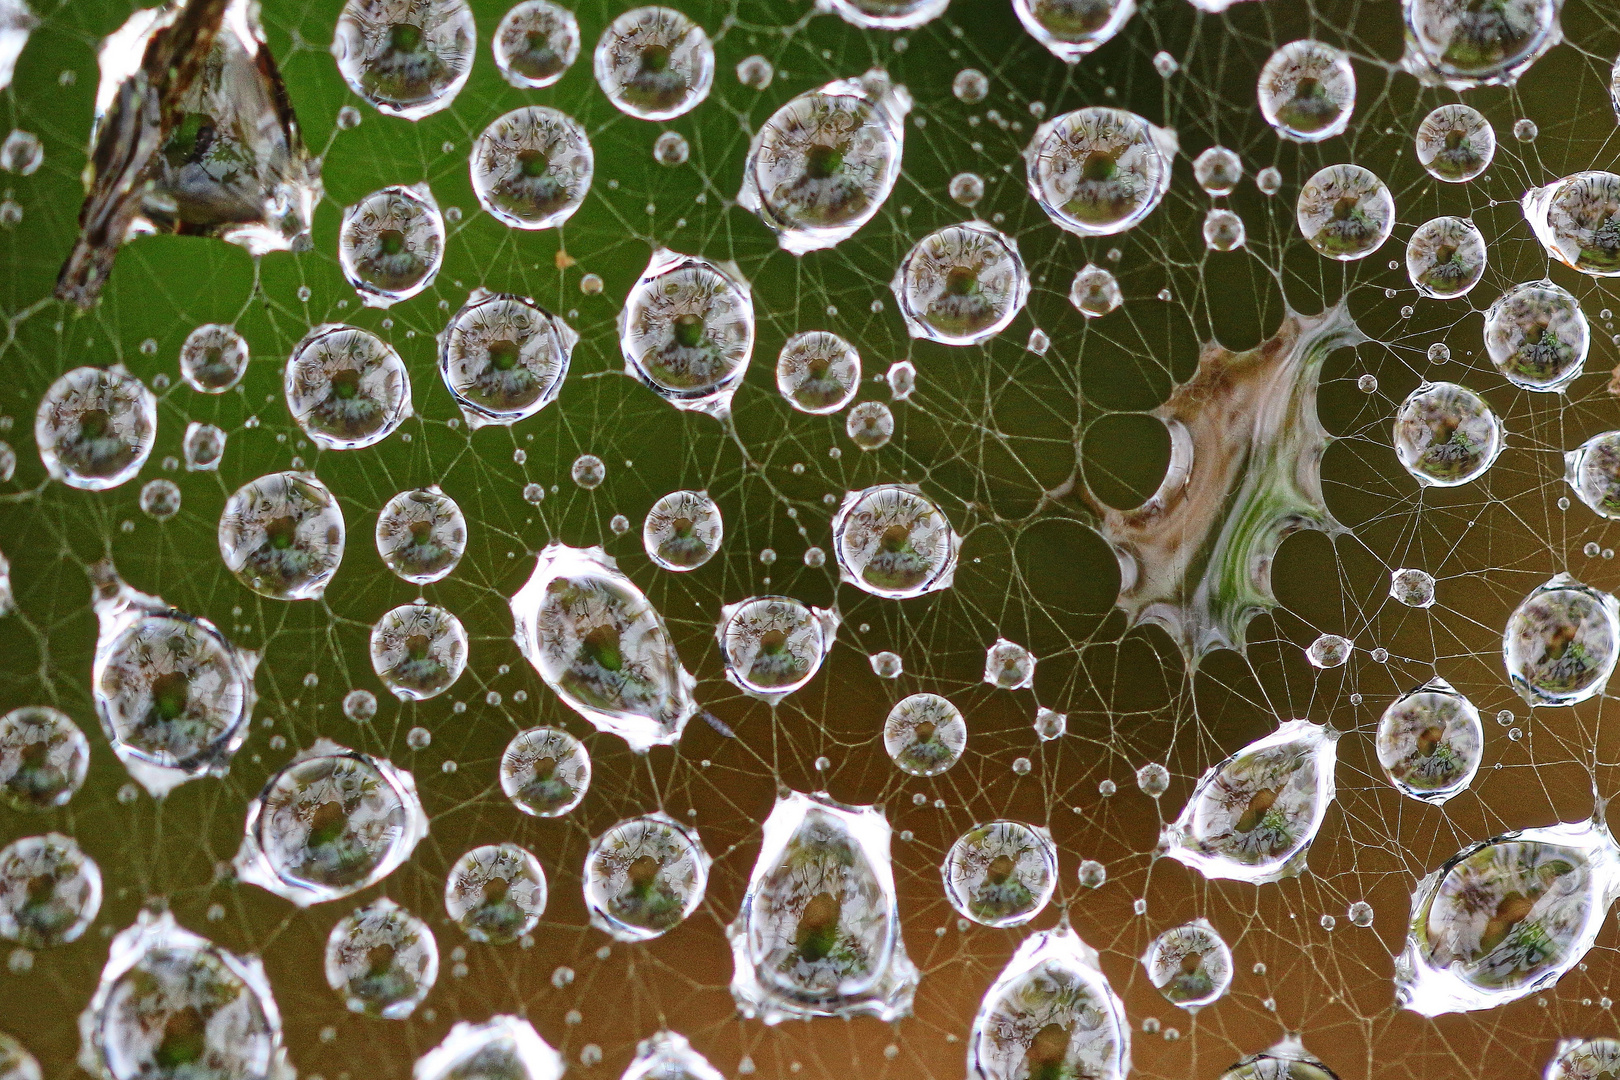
[
  {"x": 893, "y": 541},
  {"x": 1507, "y": 917},
  {"x": 668, "y": 1056},
  {"x": 1430, "y": 742},
  {"x": 1001, "y": 874},
  {"x": 603, "y": 648},
  {"x": 1253, "y": 817},
  {"x": 687, "y": 331},
  {"x": 174, "y": 696},
  {"x": 382, "y": 960},
  {"x": 169, "y": 1000},
  {"x": 772, "y": 645},
  {"x": 1072, "y": 29},
  {"x": 1592, "y": 469},
  {"x": 1050, "y": 1013},
  {"x": 819, "y": 929},
  {"x": 644, "y": 876},
  {"x": 1288, "y": 1060},
  {"x": 1190, "y": 964},
  {"x": 1574, "y": 220},
  {"x": 332, "y": 822},
  {"x": 501, "y": 1048},
  {"x": 823, "y": 164},
  {"x": 1560, "y": 643}
]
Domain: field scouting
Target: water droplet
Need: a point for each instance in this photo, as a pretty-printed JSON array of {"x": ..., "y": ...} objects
[
  {"x": 348, "y": 118},
  {"x": 1190, "y": 964},
  {"x": 502, "y": 1046},
  {"x": 16, "y": 1063},
  {"x": 602, "y": 647},
  {"x": 654, "y": 63},
  {"x": 966, "y": 189},
  {"x": 870, "y": 425},
  {"x": 496, "y": 893},
  {"x": 1051, "y": 1008},
  {"x": 755, "y": 72},
  {"x": 1571, "y": 217},
  {"x": 893, "y": 541},
  {"x": 418, "y": 651},
  {"x": 421, "y": 535},
  {"x": 408, "y": 61},
  {"x": 819, "y": 929},
  {"x": 360, "y": 705},
  {"x": 1455, "y": 143},
  {"x": 1461, "y": 46},
  {"x": 1092, "y": 874},
  {"x": 1577, "y": 1059},
  {"x": 683, "y": 530},
  {"x": 902, "y": 379},
  {"x": 1095, "y": 292},
  {"x": 1153, "y": 779},
  {"x": 1445, "y": 435},
  {"x": 1507, "y": 917},
  {"x": 504, "y": 358},
  {"x": 43, "y": 758},
  {"x": 924, "y": 734},
  {"x": 1361, "y": 913},
  {"x": 961, "y": 285},
  {"x": 1070, "y": 29},
  {"x": 970, "y": 86},
  {"x": 1050, "y": 724},
  {"x": 886, "y": 665},
  {"x": 1367, "y": 384},
  {"x": 644, "y": 876},
  {"x": 1268, "y": 180},
  {"x": 818, "y": 372},
  {"x": 1009, "y": 666},
  {"x": 536, "y": 42},
  {"x": 1224, "y": 230},
  {"x": 213, "y": 358},
  {"x": 531, "y": 168},
  {"x": 282, "y": 536},
  {"x": 1218, "y": 170},
  {"x": 1099, "y": 171},
  {"x": 1414, "y": 588},
  {"x": 887, "y": 14},
  {"x": 160, "y": 499},
  {"x": 671, "y": 149},
  {"x": 50, "y": 891},
  {"x": 1593, "y": 471},
  {"x": 328, "y": 824},
  {"x": 346, "y": 387},
  {"x": 21, "y": 153},
  {"x": 1345, "y": 212},
  {"x": 1445, "y": 257},
  {"x": 1253, "y": 817},
  {"x": 1430, "y": 742},
  {"x": 1288, "y": 1060},
  {"x": 687, "y": 331},
  {"x": 773, "y": 645},
  {"x": 1561, "y": 641},
  {"x": 668, "y": 1056},
  {"x": 391, "y": 244},
  {"x": 1308, "y": 91},
  {"x": 1001, "y": 874},
  {"x": 382, "y": 960},
  {"x": 95, "y": 427}
]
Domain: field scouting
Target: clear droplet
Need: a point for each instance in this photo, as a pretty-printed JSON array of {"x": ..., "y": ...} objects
[
  {"x": 1191, "y": 965},
  {"x": 1361, "y": 913},
  {"x": 668, "y": 1056},
  {"x": 1574, "y": 220},
  {"x": 644, "y": 876},
  {"x": 1445, "y": 257},
  {"x": 95, "y": 427},
  {"x": 1460, "y": 45},
  {"x": 1009, "y": 666},
  {"x": 418, "y": 651},
  {"x": 545, "y": 772},
  {"x": 346, "y": 387},
  {"x": 43, "y": 758},
  {"x": 1368, "y": 383},
  {"x": 1071, "y": 29},
  {"x": 503, "y": 1047},
  {"x": 213, "y": 358},
  {"x": 496, "y": 893},
  {"x": 421, "y": 535},
  {"x": 1525, "y": 130},
  {"x": 391, "y": 244},
  {"x": 924, "y": 735},
  {"x": 1050, "y": 1010},
  {"x": 1218, "y": 170},
  {"x": 1153, "y": 779},
  {"x": 360, "y": 705},
  {"x": 654, "y": 63},
  {"x": 671, "y": 149},
  {"x": 1345, "y": 212},
  {"x": 961, "y": 285},
  {"x": 683, "y": 530},
  {"x": 1506, "y": 918},
  {"x": 1414, "y": 588},
  {"x": 1001, "y": 874},
  {"x": 818, "y": 372},
  {"x": 1308, "y": 91},
  {"x": 331, "y": 822},
  {"x": 1050, "y": 724},
  {"x": 50, "y": 891},
  {"x": 893, "y": 541},
  {"x": 1561, "y": 641},
  {"x": 1593, "y": 471},
  {"x": 16, "y": 1063},
  {"x": 1095, "y": 292},
  {"x": 532, "y": 167},
  {"x": 504, "y": 358},
  {"x": 1584, "y": 1059},
  {"x": 407, "y": 60},
  {"x": 755, "y": 72},
  {"x": 160, "y": 499},
  {"x": 536, "y": 42},
  {"x": 966, "y": 189},
  {"x": 1329, "y": 651},
  {"x": 823, "y": 164},
  {"x": 1288, "y": 1060},
  {"x": 1455, "y": 143},
  {"x": 1430, "y": 742},
  {"x": 1268, "y": 180},
  {"x": 970, "y": 86},
  {"x": 602, "y": 647},
  {"x": 870, "y": 425},
  {"x": 887, "y": 14},
  {"x": 282, "y": 536},
  {"x": 1537, "y": 336},
  {"x": 1445, "y": 435},
  {"x": 21, "y": 153},
  {"x": 204, "y": 446},
  {"x": 818, "y": 933},
  {"x": 687, "y": 331},
  {"x": 382, "y": 960},
  {"x": 902, "y": 379},
  {"x": 1099, "y": 171},
  {"x": 168, "y": 1000},
  {"x": 886, "y": 664},
  {"x": 1224, "y": 230},
  {"x": 1092, "y": 874},
  {"x": 1252, "y": 817},
  {"x": 174, "y": 696},
  {"x": 773, "y": 645}
]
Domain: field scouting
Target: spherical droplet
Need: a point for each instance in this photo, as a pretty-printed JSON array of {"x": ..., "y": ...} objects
[
  {"x": 1361, "y": 913},
  {"x": 1445, "y": 435},
  {"x": 1153, "y": 779},
  {"x": 588, "y": 471},
  {"x": 671, "y": 149},
  {"x": 755, "y": 72},
  {"x": 818, "y": 372},
  {"x": 382, "y": 960},
  {"x": 644, "y": 876},
  {"x": 360, "y": 705},
  {"x": 870, "y": 425},
  {"x": 44, "y": 757},
  {"x": 773, "y": 645},
  {"x": 545, "y": 772},
  {"x": 1345, "y": 212},
  {"x": 1462, "y": 45},
  {"x": 687, "y": 331},
  {"x": 1430, "y": 741},
  {"x": 1095, "y": 292},
  {"x": 1009, "y": 666},
  {"x": 1191, "y": 966},
  {"x": 213, "y": 358},
  {"x": 654, "y": 63},
  {"x": 531, "y": 168},
  {"x": 160, "y": 499},
  {"x": 1223, "y": 230},
  {"x": 95, "y": 428},
  {"x": 421, "y": 535},
  {"x": 504, "y": 358},
  {"x": 408, "y": 60},
  {"x": 282, "y": 536},
  {"x": 961, "y": 285},
  {"x": 1537, "y": 336},
  {"x": 1445, "y": 257},
  {"x": 892, "y": 541},
  {"x": 1414, "y": 588},
  {"x": 967, "y": 188},
  {"x": 21, "y": 153},
  {"x": 1071, "y": 29},
  {"x": 1218, "y": 170},
  {"x": 536, "y": 42},
  {"x": 924, "y": 735},
  {"x": 886, "y": 665},
  {"x": 970, "y": 86},
  {"x": 50, "y": 891},
  {"x": 1001, "y": 874},
  {"x": 1367, "y": 384},
  {"x": 902, "y": 379},
  {"x": 496, "y": 893},
  {"x": 418, "y": 651},
  {"x": 683, "y": 530},
  {"x": 391, "y": 244},
  {"x": 1329, "y": 651},
  {"x": 887, "y": 14},
  {"x": 346, "y": 387},
  {"x": 1560, "y": 643},
  {"x": 1098, "y": 171},
  {"x": 1092, "y": 874},
  {"x": 1455, "y": 143},
  {"x": 1308, "y": 91}
]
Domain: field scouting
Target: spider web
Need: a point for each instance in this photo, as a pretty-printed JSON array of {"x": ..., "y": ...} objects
[{"x": 989, "y": 432}]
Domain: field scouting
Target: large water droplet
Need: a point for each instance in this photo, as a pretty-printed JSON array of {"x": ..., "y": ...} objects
[
  {"x": 382, "y": 960},
  {"x": 683, "y": 530},
  {"x": 1537, "y": 336},
  {"x": 1445, "y": 257},
  {"x": 504, "y": 358},
  {"x": 819, "y": 929},
  {"x": 1592, "y": 469},
  {"x": 408, "y": 60},
  {"x": 1445, "y": 435},
  {"x": 818, "y": 372},
  {"x": 1098, "y": 171},
  {"x": 421, "y": 535},
  {"x": 1430, "y": 742},
  {"x": 331, "y": 822},
  {"x": 282, "y": 536},
  {"x": 213, "y": 358},
  {"x": 1345, "y": 212},
  {"x": 1308, "y": 91},
  {"x": 1001, "y": 874},
  {"x": 924, "y": 734},
  {"x": 532, "y": 167},
  {"x": 654, "y": 63},
  {"x": 668, "y": 1056},
  {"x": 1461, "y": 45},
  {"x": 496, "y": 893},
  {"x": 644, "y": 876},
  {"x": 885, "y": 14},
  {"x": 1288, "y": 1060},
  {"x": 418, "y": 651},
  {"x": 1574, "y": 218},
  {"x": 545, "y": 771},
  {"x": 43, "y": 758},
  {"x": 1050, "y": 1013},
  {"x": 823, "y": 165},
  {"x": 772, "y": 645},
  {"x": 1455, "y": 143},
  {"x": 1253, "y": 817},
  {"x": 1560, "y": 643},
  {"x": 391, "y": 244},
  {"x": 602, "y": 647},
  {"x": 1071, "y": 29},
  {"x": 1584, "y": 1059},
  {"x": 1190, "y": 964},
  {"x": 961, "y": 285},
  {"x": 95, "y": 427},
  {"x": 536, "y": 42},
  {"x": 1507, "y": 917},
  {"x": 346, "y": 387},
  {"x": 687, "y": 331},
  {"x": 893, "y": 541},
  {"x": 501, "y": 1048},
  {"x": 50, "y": 891}
]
